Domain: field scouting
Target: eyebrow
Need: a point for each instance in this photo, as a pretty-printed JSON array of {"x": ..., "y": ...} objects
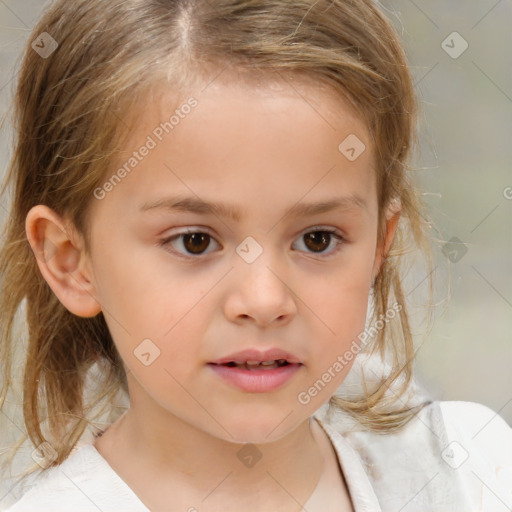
[{"x": 234, "y": 212}]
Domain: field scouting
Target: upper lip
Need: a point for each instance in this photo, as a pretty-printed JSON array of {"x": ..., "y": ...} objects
[{"x": 258, "y": 355}]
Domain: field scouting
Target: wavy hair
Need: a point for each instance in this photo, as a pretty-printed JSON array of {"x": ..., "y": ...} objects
[{"x": 67, "y": 111}]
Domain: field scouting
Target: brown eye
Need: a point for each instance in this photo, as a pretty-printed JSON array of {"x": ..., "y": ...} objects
[
  {"x": 188, "y": 243},
  {"x": 192, "y": 243},
  {"x": 319, "y": 241},
  {"x": 196, "y": 243}
]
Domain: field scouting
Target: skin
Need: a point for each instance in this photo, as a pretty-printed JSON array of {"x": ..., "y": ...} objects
[{"x": 265, "y": 148}]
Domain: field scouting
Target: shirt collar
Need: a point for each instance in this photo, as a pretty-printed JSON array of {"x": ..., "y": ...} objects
[{"x": 359, "y": 485}]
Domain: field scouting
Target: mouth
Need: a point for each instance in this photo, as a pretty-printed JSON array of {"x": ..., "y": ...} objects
[
  {"x": 256, "y": 376},
  {"x": 256, "y": 365}
]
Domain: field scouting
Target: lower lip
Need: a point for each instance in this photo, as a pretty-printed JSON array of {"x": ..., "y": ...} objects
[{"x": 256, "y": 381}]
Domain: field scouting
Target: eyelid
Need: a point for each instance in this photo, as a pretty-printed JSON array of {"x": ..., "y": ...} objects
[
  {"x": 335, "y": 232},
  {"x": 339, "y": 236},
  {"x": 164, "y": 242}
]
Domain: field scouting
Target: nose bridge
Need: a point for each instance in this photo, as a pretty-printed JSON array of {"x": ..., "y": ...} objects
[
  {"x": 256, "y": 261},
  {"x": 260, "y": 281}
]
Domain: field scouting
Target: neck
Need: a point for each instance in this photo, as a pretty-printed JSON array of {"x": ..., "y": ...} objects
[{"x": 198, "y": 466}]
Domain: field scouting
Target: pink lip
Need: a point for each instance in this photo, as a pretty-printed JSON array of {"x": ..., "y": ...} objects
[
  {"x": 256, "y": 381},
  {"x": 258, "y": 355}
]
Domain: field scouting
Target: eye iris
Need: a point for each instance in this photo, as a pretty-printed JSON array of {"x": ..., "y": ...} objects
[
  {"x": 321, "y": 237},
  {"x": 199, "y": 241}
]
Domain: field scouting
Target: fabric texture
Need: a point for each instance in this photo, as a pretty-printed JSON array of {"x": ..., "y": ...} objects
[{"x": 453, "y": 456}]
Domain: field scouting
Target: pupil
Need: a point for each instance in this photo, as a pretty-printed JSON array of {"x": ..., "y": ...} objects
[
  {"x": 199, "y": 242},
  {"x": 320, "y": 237}
]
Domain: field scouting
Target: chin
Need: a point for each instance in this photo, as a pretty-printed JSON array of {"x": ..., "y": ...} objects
[{"x": 255, "y": 428}]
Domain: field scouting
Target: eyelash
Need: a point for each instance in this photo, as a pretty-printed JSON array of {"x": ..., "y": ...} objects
[{"x": 339, "y": 239}]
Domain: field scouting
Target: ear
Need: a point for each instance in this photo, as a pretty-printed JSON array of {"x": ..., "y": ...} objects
[
  {"x": 392, "y": 217},
  {"x": 62, "y": 261}
]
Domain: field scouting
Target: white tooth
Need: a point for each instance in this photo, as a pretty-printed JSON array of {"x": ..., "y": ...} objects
[
  {"x": 268, "y": 362},
  {"x": 253, "y": 362},
  {"x": 239, "y": 362}
]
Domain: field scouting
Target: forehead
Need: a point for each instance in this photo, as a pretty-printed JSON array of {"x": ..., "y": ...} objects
[
  {"x": 285, "y": 106},
  {"x": 229, "y": 87},
  {"x": 330, "y": 104},
  {"x": 281, "y": 138}
]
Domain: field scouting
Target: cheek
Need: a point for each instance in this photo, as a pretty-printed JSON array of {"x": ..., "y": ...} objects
[
  {"x": 151, "y": 310},
  {"x": 340, "y": 303},
  {"x": 138, "y": 290},
  {"x": 343, "y": 312},
  {"x": 335, "y": 343},
  {"x": 340, "y": 296}
]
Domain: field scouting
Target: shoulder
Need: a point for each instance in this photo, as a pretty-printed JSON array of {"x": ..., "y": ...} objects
[
  {"x": 466, "y": 431},
  {"x": 439, "y": 423},
  {"x": 84, "y": 481},
  {"x": 454, "y": 431},
  {"x": 471, "y": 432},
  {"x": 479, "y": 425},
  {"x": 473, "y": 415},
  {"x": 452, "y": 453},
  {"x": 476, "y": 453}
]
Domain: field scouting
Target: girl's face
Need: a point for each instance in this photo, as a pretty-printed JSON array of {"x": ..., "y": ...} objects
[{"x": 267, "y": 179}]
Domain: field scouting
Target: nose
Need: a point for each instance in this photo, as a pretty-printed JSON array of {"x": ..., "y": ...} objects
[{"x": 259, "y": 293}]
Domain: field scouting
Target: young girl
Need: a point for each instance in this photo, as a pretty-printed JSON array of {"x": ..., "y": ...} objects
[{"x": 211, "y": 212}]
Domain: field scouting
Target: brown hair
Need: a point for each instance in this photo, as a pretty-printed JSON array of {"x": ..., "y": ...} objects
[{"x": 73, "y": 110}]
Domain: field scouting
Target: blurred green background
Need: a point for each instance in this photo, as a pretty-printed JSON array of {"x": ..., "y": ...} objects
[
  {"x": 464, "y": 168},
  {"x": 466, "y": 171}
]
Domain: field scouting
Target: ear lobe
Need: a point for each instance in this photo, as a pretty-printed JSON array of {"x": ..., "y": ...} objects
[
  {"x": 60, "y": 257},
  {"x": 392, "y": 218}
]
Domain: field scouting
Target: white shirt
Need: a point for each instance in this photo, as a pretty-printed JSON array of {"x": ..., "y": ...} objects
[{"x": 452, "y": 457}]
